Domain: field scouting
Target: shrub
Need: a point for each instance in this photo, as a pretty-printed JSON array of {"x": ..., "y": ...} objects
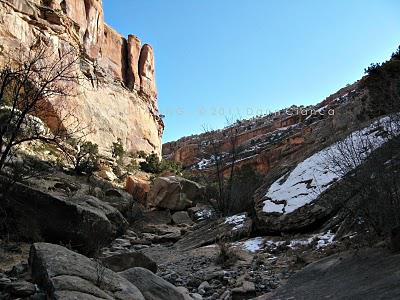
[
  {"x": 155, "y": 166},
  {"x": 151, "y": 165},
  {"x": 396, "y": 54},
  {"x": 141, "y": 154},
  {"x": 171, "y": 166},
  {"x": 227, "y": 256},
  {"x": 86, "y": 158},
  {"x": 118, "y": 151},
  {"x": 245, "y": 181}
]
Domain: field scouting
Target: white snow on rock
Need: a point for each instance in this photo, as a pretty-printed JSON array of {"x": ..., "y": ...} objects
[
  {"x": 316, "y": 174},
  {"x": 236, "y": 220},
  {"x": 204, "y": 163},
  {"x": 325, "y": 240},
  {"x": 203, "y": 214},
  {"x": 256, "y": 244},
  {"x": 253, "y": 245}
]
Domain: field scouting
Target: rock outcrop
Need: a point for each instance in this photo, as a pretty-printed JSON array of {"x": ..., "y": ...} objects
[
  {"x": 230, "y": 228},
  {"x": 117, "y": 95},
  {"x": 84, "y": 222},
  {"x": 365, "y": 274},
  {"x": 272, "y": 140}
]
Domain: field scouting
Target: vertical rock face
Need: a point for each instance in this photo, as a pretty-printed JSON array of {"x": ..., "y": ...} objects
[
  {"x": 93, "y": 37},
  {"x": 146, "y": 71},
  {"x": 134, "y": 46},
  {"x": 114, "y": 54},
  {"x": 119, "y": 99}
]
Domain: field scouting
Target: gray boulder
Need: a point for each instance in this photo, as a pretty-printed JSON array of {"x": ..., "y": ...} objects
[
  {"x": 152, "y": 286},
  {"x": 123, "y": 261},
  {"x": 65, "y": 274},
  {"x": 84, "y": 222}
]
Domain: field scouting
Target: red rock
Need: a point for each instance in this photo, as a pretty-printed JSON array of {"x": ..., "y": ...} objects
[
  {"x": 133, "y": 79},
  {"x": 102, "y": 103},
  {"x": 146, "y": 71},
  {"x": 137, "y": 187},
  {"x": 114, "y": 53}
]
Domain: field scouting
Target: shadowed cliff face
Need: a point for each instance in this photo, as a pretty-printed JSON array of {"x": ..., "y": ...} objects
[{"x": 118, "y": 96}]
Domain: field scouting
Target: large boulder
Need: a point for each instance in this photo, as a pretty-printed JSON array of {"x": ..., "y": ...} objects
[
  {"x": 138, "y": 188},
  {"x": 174, "y": 193},
  {"x": 123, "y": 261},
  {"x": 84, "y": 222},
  {"x": 64, "y": 274},
  {"x": 232, "y": 228},
  {"x": 152, "y": 286}
]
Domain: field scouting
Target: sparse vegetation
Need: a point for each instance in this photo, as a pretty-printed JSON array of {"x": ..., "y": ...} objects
[
  {"x": 374, "y": 186},
  {"x": 86, "y": 157},
  {"x": 118, "y": 151},
  {"x": 383, "y": 85},
  {"x": 154, "y": 165},
  {"x": 227, "y": 256},
  {"x": 28, "y": 79}
]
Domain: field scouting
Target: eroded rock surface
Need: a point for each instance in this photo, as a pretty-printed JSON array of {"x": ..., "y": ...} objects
[
  {"x": 368, "y": 274},
  {"x": 68, "y": 275},
  {"x": 104, "y": 105}
]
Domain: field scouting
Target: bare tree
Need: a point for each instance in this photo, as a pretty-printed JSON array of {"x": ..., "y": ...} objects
[
  {"x": 369, "y": 161},
  {"x": 224, "y": 160},
  {"x": 34, "y": 83}
]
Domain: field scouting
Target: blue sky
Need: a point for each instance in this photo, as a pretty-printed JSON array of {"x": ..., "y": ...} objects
[{"x": 219, "y": 59}]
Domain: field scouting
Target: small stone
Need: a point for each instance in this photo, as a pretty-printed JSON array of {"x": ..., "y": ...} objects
[
  {"x": 204, "y": 286},
  {"x": 21, "y": 288}
]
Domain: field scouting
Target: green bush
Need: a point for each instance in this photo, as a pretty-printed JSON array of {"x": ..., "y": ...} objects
[
  {"x": 86, "y": 158},
  {"x": 156, "y": 166},
  {"x": 151, "y": 165},
  {"x": 117, "y": 150}
]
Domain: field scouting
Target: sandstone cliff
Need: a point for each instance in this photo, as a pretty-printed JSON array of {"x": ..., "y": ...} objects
[
  {"x": 274, "y": 140},
  {"x": 118, "y": 96}
]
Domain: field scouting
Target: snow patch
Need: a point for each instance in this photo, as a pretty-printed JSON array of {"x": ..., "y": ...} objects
[
  {"x": 253, "y": 245},
  {"x": 236, "y": 220},
  {"x": 315, "y": 175},
  {"x": 203, "y": 214}
]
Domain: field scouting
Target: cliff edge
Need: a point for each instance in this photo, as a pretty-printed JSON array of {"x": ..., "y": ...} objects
[{"x": 118, "y": 96}]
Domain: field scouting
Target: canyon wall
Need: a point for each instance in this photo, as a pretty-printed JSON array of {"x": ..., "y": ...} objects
[
  {"x": 117, "y": 97},
  {"x": 273, "y": 141}
]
